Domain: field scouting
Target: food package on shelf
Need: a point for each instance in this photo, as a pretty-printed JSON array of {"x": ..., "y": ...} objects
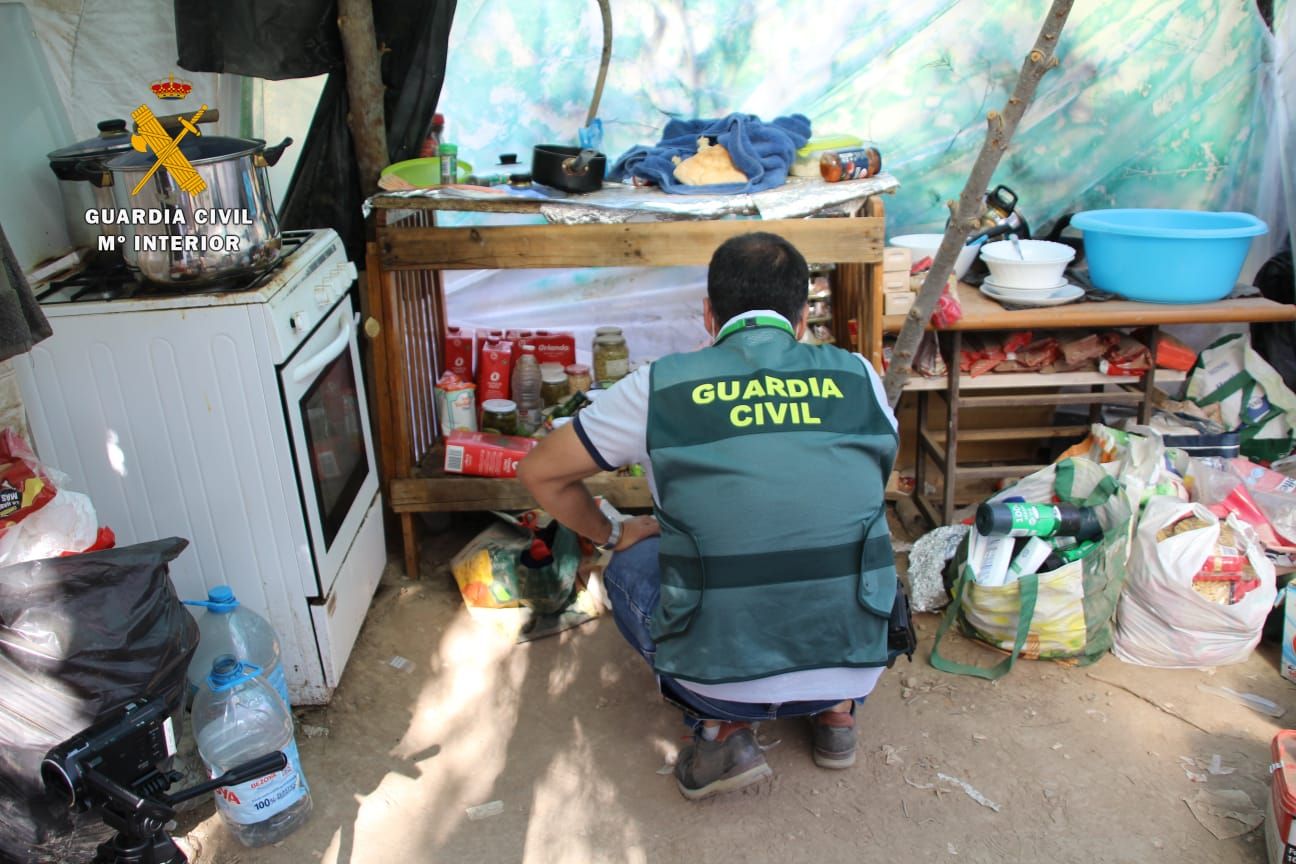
[
  {"x": 1170, "y": 615},
  {"x": 485, "y": 454},
  {"x": 981, "y": 353},
  {"x": 494, "y": 372},
  {"x": 458, "y": 352},
  {"x": 928, "y": 360},
  {"x": 456, "y": 403}
]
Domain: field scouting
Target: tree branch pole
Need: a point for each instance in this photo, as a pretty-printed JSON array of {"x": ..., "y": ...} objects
[
  {"x": 365, "y": 116},
  {"x": 1001, "y": 126}
]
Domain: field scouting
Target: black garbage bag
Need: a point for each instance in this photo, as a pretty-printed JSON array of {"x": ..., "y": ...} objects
[
  {"x": 79, "y": 638},
  {"x": 272, "y": 39}
]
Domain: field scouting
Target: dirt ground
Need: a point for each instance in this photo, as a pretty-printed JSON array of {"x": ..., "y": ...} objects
[{"x": 1080, "y": 764}]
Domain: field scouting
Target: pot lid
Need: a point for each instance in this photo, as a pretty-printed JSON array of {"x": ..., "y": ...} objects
[
  {"x": 113, "y": 139},
  {"x": 199, "y": 151}
]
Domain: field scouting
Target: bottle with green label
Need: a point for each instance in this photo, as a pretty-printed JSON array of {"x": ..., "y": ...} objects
[{"x": 1019, "y": 519}]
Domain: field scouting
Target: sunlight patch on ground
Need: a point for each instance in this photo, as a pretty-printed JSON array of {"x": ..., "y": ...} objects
[{"x": 573, "y": 809}]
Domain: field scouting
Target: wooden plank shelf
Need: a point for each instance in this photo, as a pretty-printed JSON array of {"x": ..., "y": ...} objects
[
  {"x": 1028, "y": 380},
  {"x": 431, "y": 489}
]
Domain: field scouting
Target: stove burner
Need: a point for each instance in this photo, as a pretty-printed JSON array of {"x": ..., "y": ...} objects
[{"x": 116, "y": 281}]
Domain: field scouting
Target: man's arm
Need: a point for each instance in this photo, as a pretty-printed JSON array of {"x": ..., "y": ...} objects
[{"x": 553, "y": 472}]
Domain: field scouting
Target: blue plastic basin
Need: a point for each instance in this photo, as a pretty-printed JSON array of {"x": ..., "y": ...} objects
[{"x": 1167, "y": 256}]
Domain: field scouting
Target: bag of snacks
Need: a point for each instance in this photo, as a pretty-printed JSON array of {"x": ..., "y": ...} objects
[{"x": 1198, "y": 590}]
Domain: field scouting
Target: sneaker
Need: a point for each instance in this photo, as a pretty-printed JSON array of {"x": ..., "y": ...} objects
[
  {"x": 834, "y": 738},
  {"x": 730, "y": 762}
]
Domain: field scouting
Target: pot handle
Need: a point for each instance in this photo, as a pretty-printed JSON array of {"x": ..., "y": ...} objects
[
  {"x": 579, "y": 164},
  {"x": 271, "y": 155},
  {"x": 92, "y": 172}
]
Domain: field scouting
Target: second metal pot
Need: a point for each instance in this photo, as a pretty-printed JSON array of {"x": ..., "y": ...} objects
[{"x": 226, "y": 231}]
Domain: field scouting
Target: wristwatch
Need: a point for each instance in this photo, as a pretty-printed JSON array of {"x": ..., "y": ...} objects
[{"x": 613, "y": 538}]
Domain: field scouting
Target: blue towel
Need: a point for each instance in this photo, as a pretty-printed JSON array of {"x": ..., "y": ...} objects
[{"x": 762, "y": 151}]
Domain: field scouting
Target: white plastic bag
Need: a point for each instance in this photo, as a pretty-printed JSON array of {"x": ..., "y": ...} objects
[
  {"x": 1161, "y": 621},
  {"x": 66, "y": 524}
]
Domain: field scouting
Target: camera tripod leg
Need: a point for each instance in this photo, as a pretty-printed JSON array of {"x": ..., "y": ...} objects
[{"x": 158, "y": 849}]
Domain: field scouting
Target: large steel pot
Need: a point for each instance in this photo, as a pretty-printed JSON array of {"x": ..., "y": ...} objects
[
  {"x": 85, "y": 185},
  {"x": 225, "y": 232}
]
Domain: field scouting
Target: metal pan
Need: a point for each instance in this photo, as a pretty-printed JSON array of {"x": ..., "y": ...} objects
[{"x": 570, "y": 169}]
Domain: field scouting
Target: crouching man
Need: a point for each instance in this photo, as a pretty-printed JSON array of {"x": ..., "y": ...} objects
[{"x": 765, "y": 583}]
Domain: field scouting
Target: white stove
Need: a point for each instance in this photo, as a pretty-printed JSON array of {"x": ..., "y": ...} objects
[{"x": 236, "y": 419}]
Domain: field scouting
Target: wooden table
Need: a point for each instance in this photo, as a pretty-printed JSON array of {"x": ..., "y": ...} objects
[
  {"x": 1006, "y": 391},
  {"x": 406, "y": 324}
]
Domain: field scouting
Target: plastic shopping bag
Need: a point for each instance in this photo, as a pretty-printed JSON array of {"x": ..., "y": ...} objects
[
  {"x": 1162, "y": 620},
  {"x": 1062, "y": 614},
  {"x": 1251, "y": 396}
]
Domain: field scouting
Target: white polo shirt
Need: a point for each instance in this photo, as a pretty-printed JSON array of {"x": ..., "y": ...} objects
[{"x": 615, "y": 432}]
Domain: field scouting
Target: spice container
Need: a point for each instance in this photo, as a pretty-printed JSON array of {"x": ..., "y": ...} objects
[
  {"x": 449, "y": 156},
  {"x": 553, "y": 384},
  {"x": 500, "y": 416},
  {"x": 611, "y": 355},
  {"x": 578, "y": 378},
  {"x": 850, "y": 164}
]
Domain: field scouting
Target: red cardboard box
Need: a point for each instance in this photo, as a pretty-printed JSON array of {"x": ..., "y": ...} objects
[
  {"x": 554, "y": 347},
  {"x": 459, "y": 353},
  {"x": 485, "y": 454}
]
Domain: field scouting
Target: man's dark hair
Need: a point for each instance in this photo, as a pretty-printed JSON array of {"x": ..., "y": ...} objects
[{"x": 757, "y": 271}]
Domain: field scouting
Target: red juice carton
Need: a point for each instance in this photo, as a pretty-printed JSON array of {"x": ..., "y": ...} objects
[
  {"x": 458, "y": 353},
  {"x": 493, "y": 372},
  {"x": 485, "y": 454},
  {"x": 484, "y": 336}
]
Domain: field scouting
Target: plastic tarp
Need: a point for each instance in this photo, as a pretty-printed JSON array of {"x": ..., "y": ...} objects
[
  {"x": 103, "y": 54},
  {"x": 79, "y": 638},
  {"x": 1155, "y": 103}
]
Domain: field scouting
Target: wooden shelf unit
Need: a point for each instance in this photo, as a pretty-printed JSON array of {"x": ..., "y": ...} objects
[
  {"x": 406, "y": 305},
  {"x": 1022, "y": 389}
]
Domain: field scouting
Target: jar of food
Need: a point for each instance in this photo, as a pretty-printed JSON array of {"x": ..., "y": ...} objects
[
  {"x": 611, "y": 355},
  {"x": 500, "y": 416},
  {"x": 578, "y": 378},
  {"x": 553, "y": 384}
]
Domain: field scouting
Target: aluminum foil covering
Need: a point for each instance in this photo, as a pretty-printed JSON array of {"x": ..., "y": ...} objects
[
  {"x": 618, "y": 202},
  {"x": 927, "y": 565}
]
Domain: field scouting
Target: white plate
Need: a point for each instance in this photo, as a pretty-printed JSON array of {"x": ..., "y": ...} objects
[
  {"x": 1014, "y": 289},
  {"x": 1057, "y": 297}
]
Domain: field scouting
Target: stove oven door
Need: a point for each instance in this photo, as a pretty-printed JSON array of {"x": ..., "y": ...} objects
[{"x": 324, "y": 397}]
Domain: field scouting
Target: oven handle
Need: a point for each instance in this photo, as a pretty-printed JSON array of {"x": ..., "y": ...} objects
[{"x": 308, "y": 368}]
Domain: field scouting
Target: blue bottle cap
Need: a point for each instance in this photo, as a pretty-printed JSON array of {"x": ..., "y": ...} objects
[
  {"x": 227, "y": 671},
  {"x": 220, "y": 599}
]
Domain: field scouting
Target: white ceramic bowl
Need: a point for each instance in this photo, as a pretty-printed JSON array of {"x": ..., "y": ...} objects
[
  {"x": 925, "y": 246},
  {"x": 1040, "y": 264}
]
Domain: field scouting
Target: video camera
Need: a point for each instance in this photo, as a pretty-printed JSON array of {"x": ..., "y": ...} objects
[{"x": 115, "y": 767}]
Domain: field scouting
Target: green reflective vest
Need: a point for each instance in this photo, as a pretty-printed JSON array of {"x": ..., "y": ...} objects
[{"x": 771, "y": 459}]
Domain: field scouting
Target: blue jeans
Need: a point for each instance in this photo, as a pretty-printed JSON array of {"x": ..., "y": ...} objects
[{"x": 633, "y": 581}]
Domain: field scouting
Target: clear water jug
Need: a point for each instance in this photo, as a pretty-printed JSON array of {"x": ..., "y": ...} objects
[
  {"x": 231, "y": 628},
  {"x": 237, "y": 717}
]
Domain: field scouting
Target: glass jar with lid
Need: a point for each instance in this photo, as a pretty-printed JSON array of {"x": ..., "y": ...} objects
[
  {"x": 553, "y": 384},
  {"x": 578, "y": 378},
  {"x": 611, "y": 355}
]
